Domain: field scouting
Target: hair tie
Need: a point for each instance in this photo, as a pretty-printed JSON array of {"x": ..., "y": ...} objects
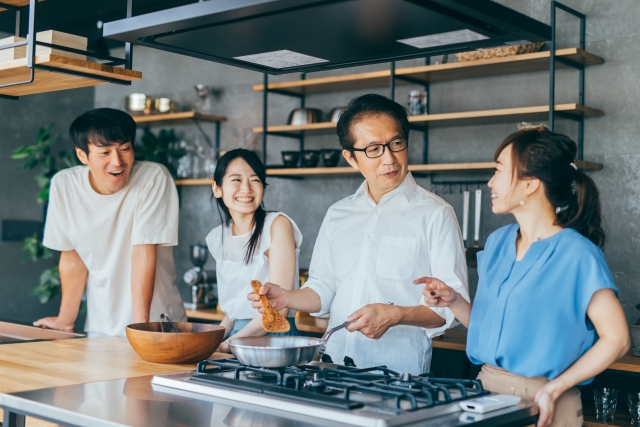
[{"x": 573, "y": 165}]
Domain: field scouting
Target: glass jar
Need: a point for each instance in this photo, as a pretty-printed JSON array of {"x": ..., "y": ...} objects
[{"x": 417, "y": 103}]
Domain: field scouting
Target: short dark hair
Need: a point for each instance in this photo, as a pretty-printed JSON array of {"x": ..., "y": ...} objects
[
  {"x": 366, "y": 105},
  {"x": 102, "y": 127}
]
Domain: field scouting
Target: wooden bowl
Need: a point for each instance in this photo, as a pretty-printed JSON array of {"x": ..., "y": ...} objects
[{"x": 195, "y": 342}]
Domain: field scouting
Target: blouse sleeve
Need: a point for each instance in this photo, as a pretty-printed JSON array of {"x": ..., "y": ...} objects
[{"x": 593, "y": 275}]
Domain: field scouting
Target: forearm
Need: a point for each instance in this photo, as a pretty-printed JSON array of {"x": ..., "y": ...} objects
[
  {"x": 592, "y": 363},
  {"x": 305, "y": 300},
  {"x": 252, "y": 329},
  {"x": 417, "y": 315},
  {"x": 143, "y": 275},
  {"x": 461, "y": 309},
  {"x": 73, "y": 277},
  {"x": 227, "y": 324}
]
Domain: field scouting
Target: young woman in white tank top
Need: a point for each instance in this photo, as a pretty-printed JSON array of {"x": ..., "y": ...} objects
[{"x": 250, "y": 244}]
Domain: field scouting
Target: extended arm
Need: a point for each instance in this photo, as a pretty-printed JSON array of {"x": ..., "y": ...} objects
[
  {"x": 606, "y": 314},
  {"x": 73, "y": 277},
  {"x": 143, "y": 276},
  {"x": 437, "y": 294}
]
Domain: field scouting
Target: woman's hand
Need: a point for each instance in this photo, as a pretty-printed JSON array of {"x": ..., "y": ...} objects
[
  {"x": 223, "y": 347},
  {"x": 546, "y": 400},
  {"x": 275, "y": 294},
  {"x": 436, "y": 293}
]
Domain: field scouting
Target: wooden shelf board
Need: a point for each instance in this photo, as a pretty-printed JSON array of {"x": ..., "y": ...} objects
[
  {"x": 49, "y": 81},
  {"x": 627, "y": 363},
  {"x": 530, "y": 62},
  {"x": 18, "y": 3},
  {"x": 537, "y": 113},
  {"x": 183, "y": 115},
  {"x": 347, "y": 170}
]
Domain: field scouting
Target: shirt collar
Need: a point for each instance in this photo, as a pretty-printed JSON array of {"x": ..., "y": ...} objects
[{"x": 407, "y": 188}]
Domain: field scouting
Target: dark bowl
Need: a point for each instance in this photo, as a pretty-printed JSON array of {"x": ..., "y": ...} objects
[
  {"x": 330, "y": 158},
  {"x": 290, "y": 159},
  {"x": 310, "y": 158}
]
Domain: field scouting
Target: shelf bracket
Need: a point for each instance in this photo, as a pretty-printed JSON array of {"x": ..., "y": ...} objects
[
  {"x": 286, "y": 93},
  {"x": 12, "y": 98}
]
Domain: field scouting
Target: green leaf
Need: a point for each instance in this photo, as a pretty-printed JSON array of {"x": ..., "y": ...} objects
[{"x": 43, "y": 196}]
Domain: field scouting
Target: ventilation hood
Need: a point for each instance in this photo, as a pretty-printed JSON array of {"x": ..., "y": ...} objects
[{"x": 284, "y": 36}]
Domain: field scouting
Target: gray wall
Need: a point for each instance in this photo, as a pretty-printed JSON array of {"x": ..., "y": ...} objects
[
  {"x": 19, "y": 126},
  {"x": 612, "y": 33}
]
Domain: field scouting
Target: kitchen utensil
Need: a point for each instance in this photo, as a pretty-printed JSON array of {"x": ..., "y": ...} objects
[
  {"x": 167, "y": 319},
  {"x": 304, "y": 116},
  {"x": 310, "y": 158},
  {"x": 472, "y": 253},
  {"x": 138, "y": 104},
  {"x": 195, "y": 342},
  {"x": 335, "y": 114},
  {"x": 634, "y": 408},
  {"x": 164, "y": 105},
  {"x": 272, "y": 321},
  {"x": 290, "y": 159},
  {"x": 465, "y": 217},
  {"x": 606, "y": 402},
  {"x": 280, "y": 351},
  {"x": 330, "y": 157}
]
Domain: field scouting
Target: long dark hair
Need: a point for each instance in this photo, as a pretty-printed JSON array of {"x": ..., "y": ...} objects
[
  {"x": 259, "y": 215},
  {"x": 550, "y": 157}
]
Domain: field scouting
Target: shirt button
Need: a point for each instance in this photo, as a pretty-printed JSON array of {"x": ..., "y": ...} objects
[
  {"x": 358, "y": 292},
  {"x": 363, "y": 263},
  {"x": 369, "y": 236},
  {"x": 375, "y": 212}
]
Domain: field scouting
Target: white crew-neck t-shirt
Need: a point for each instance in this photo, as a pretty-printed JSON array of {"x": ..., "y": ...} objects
[
  {"x": 102, "y": 229},
  {"x": 233, "y": 276}
]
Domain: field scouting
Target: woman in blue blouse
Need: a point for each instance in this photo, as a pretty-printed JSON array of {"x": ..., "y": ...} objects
[{"x": 546, "y": 316}]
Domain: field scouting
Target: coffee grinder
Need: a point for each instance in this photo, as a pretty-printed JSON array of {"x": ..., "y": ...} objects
[{"x": 203, "y": 282}]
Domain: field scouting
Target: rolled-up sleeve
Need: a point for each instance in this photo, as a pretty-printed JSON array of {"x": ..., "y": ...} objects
[
  {"x": 448, "y": 263},
  {"x": 321, "y": 278}
]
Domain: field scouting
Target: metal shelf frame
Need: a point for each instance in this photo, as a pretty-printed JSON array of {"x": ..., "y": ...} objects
[
  {"x": 555, "y": 5},
  {"x": 31, "y": 44}
]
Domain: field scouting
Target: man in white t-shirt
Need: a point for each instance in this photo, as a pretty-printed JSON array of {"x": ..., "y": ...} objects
[
  {"x": 115, "y": 222},
  {"x": 374, "y": 244}
]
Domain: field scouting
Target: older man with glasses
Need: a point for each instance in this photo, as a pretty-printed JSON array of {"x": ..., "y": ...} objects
[{"x": 374, "y": 244}]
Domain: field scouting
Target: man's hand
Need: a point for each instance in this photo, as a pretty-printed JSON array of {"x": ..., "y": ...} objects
[
  {"x": 436, "y": 293},
  {"x": 54, "y": 322},
  {"x": 275, "y": 294},
  {"x": 373, "y": 320}
]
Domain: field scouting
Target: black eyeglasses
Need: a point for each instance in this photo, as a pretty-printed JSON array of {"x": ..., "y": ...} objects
[{"x": 377, "y": 150}]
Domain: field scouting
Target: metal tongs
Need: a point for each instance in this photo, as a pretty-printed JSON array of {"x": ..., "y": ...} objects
[
  {"x": 325, "y": 337},
  {"x": 168, "y": 320}
]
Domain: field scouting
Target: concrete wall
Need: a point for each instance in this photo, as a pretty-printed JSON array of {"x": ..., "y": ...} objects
[
  {"x": 19, "y": 124},
  {"x": 612, "y": 33}
]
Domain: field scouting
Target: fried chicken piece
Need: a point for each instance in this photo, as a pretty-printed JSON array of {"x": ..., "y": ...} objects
[{"x": 272, "y": 321}]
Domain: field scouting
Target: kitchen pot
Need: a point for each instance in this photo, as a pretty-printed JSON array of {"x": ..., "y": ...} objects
[
  {"x": 335, "y": 114},
  {"x": 310, "y": 158},
  {"x": 290, "y": 159},
  {"x": 331, "y": 157},
  {"x": 304, "y": 116},
  {"x": 279, "y": 351},
  {"x": 138, "y": 104}
]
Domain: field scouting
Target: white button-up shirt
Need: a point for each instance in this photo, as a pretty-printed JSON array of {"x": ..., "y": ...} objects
[{"x": 370, "y": 253}]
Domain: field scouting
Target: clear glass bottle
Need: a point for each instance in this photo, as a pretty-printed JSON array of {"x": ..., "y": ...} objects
[
  {"x": 184, "y": 162},
  {"x": 417, "y": 103},
  {"x": 210, "y": 163}
]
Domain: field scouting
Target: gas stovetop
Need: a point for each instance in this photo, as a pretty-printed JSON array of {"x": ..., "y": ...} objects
[{"x": 374, "y": 396}]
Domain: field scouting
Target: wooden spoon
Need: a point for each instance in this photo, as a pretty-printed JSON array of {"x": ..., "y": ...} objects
[{"x": 272, "y": 321}]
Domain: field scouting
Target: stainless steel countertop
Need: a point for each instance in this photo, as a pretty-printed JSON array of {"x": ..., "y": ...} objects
[{"x": 133, "y": 402}]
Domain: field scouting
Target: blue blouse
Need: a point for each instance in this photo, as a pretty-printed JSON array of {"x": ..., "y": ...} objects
[{"x": 530, "y": 316}]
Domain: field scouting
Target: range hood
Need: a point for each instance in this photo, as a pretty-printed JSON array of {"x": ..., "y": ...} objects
[{"x": 284, "y": 36}]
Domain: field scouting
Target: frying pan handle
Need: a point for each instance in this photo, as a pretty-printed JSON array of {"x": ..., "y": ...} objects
[{"x": 325, "y": 337}]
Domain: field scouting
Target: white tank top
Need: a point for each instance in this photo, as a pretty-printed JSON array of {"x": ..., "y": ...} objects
[{"x": 234, "y": 276}]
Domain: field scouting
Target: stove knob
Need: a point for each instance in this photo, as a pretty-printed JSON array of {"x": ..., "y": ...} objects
[
  {"x": 349, "y": 362},
  {"x": 326, "y": 358}
]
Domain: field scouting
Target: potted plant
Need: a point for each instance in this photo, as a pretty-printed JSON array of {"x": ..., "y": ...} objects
[{"x": 635, "y": 336}]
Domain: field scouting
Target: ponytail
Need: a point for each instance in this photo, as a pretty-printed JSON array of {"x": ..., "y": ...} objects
[
  {"x": 550, "y": 157},
  {"x": 584, "y": 213}
]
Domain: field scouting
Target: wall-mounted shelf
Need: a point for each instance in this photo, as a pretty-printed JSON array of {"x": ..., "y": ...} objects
[
  {"x": 184, "y": 115},
  {"x": 516, "y": 64},
  {"x": 538, "y": 113},
  {"x": 347, "y": 170},
  {"x": 54, "y": 77}
]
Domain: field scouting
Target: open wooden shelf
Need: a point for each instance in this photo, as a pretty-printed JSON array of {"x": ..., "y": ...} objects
[
  {"x": 503, "y": 115},
  {"x": 347, "y": 170},
  {"x": 516, "y": 64},
  {"x": 17, "y": 3},
  {"x": 49, "y": 81},
  {"x": 184, "y": 115}
]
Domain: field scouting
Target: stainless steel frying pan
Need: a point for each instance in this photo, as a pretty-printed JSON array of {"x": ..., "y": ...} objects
[{"x": 279, "y": 351}]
